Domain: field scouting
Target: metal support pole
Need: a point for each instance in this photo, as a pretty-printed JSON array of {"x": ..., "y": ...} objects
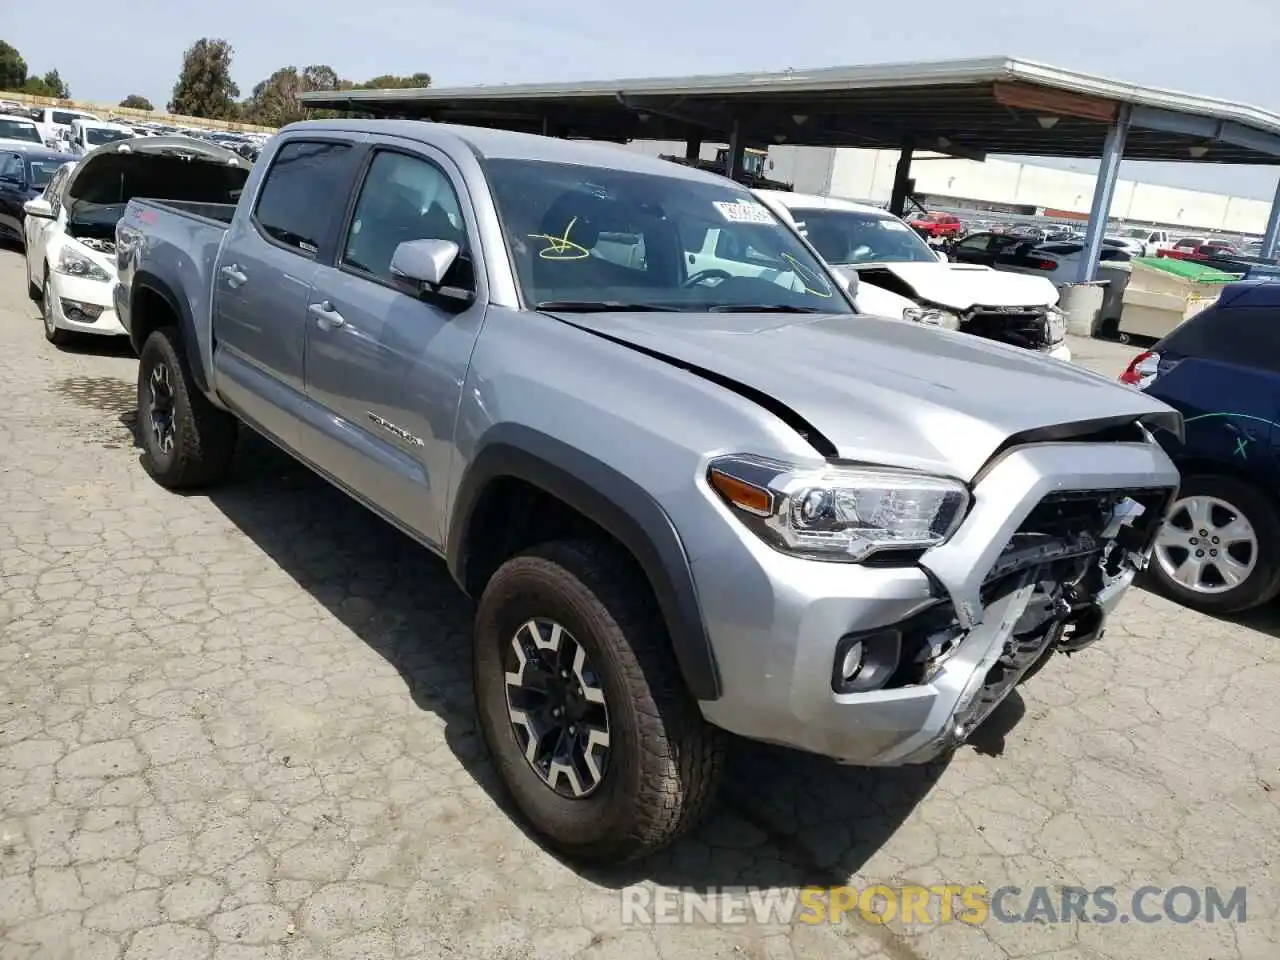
[
  {"x": 902, "y": 179},
  {"x": 693, "y": 149},
  {"x": 1104, "y": 191},
  {"x": 1271, "y": 239},
  {"x": 733, "y": 159}
]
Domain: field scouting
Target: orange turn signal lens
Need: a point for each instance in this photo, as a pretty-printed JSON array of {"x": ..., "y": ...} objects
[{"x": 746, "y": 496}]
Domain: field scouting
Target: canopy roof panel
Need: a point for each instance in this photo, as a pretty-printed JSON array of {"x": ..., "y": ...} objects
[{"x": 961, "y": 107}]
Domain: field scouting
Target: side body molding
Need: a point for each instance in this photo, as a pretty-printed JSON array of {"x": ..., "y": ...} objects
[{"x": 617, "y": 504}]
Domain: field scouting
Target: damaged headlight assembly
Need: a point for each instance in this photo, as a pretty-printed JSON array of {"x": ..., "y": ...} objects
[
  {"x": 839, "y": 513},
  {"x": 1055, "y": 325},
  {"x": 932, "y": 317}
]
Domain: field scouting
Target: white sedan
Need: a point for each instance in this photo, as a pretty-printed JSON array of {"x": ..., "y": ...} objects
[
  {"x": 70, "y": 262},
  {"x": 70, "y": 229}
]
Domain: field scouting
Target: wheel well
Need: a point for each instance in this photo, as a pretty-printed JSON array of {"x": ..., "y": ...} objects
[
  {"x": 512, "y": 515},
  {"x": 1196, "y": 466},
  {"x": 148, "y": 312}
]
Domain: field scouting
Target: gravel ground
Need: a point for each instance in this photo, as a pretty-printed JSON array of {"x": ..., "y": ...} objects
[{"x": 238, "y": 726}]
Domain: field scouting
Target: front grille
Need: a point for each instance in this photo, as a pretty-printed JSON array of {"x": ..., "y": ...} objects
[{"x": 1025, "y": 328}]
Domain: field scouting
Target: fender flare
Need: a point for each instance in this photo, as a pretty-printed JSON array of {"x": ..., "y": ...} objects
[
  {"x": 617, "y": 504},
  {"x": 146, "y": 280}
]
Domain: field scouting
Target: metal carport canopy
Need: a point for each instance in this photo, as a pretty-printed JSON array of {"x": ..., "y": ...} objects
[{"x": 967, "y": 108}]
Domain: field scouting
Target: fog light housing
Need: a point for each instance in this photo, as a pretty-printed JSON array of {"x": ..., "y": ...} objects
[
  {"x": 77, "y": 311},
  {"x": 865, "y": 661}
]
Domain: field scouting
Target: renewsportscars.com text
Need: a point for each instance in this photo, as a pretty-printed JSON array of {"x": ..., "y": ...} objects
[{"x": 973, "y": 904}]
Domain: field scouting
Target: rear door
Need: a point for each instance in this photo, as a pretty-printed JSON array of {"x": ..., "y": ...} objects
[
  {"x": 262, "y": 283},
  {"x": 385, "y": 368},
  {"x": 1221, "y": 369}
]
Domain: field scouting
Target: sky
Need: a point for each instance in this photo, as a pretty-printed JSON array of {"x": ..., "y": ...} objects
[{"x": 106, "y": 52}]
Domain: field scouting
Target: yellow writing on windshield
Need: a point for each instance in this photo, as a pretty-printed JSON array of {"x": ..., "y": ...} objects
[
  {"x": 809, "y": 278},
  {"x": 561, "y": 247}
]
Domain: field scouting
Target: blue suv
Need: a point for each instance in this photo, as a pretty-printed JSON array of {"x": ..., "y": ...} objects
[{"x": 1219, "y": 550}]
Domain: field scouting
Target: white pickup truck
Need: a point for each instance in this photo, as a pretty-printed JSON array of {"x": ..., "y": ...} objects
[{"x": 899, "y": 275}]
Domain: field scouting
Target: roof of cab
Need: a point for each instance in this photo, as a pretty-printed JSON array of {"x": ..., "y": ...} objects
[
  {"x": 807, "y": 201},
  {"x": 490, "y": 143}
]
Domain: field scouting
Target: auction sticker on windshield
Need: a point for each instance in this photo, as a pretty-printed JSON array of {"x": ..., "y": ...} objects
[{"x": 743, "y": 211}]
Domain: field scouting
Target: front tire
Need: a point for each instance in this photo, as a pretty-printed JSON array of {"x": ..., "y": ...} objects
[
  {"x": 186, "y": 441},
  {"x": 53, "y": 333},
  {"x": 641, "y": 767},
  {"x": 1219, "y": 549}
]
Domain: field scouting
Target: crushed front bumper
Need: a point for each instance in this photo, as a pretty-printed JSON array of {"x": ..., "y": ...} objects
[{"x": 776, "y": 641}]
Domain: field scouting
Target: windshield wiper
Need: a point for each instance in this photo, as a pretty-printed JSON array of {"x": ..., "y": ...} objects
[
  {"x": 761, "y": 308},
  {"x": 601, "y": 306}
]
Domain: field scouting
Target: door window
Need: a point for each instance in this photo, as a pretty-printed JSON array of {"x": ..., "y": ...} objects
[
  {"x": 404, "y": 198},
  {"x": 1248, "y": 336},
  {"x": 11, "y": 168},
  {"x": 296, "y": 200}
]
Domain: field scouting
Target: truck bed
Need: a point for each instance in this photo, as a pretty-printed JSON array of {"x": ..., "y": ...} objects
[{"x": 220, "y": 213}]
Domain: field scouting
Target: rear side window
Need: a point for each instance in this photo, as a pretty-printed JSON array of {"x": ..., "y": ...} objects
[
  {"x": 64, "y": 118},
  {"x": 295, "y": 204},
  {"x": 1247, "y": 336}
]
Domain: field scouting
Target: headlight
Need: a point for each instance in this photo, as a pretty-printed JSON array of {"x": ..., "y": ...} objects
[
  {"x": 1056, "y": 325},
  {"x": 77, "y": 265},
  {"x": 839, "y": 513},
  {"x": 932, "y": 317}
]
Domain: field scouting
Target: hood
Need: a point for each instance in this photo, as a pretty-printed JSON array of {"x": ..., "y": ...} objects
[
  {"x": 878, "y": 301},
  {"x": 101, "y": 168},
  {"x": 959, "y": 286},
  {"x": 882, "y": 391}
]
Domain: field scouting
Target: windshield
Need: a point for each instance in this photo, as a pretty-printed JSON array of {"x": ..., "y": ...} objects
[
  {"x": 42, "y": 171},
  {"x": 615, "y": 238},
  {"x": 1136, "y": 233},
  {"x": 18, "y": 130},
  {"x": 849, "y": 237},
  {"x": 96, "y": 136}
]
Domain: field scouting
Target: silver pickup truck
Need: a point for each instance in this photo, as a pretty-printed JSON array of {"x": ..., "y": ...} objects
[{"x": 688, "y": 500}]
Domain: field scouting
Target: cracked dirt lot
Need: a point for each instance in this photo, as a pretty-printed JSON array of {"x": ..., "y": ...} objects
[{"x": 238, "y": 726}]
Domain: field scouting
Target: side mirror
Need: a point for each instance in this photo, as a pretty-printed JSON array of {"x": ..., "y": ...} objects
[
  {"x": 39, "y": 207},
  {"x": 422, "y": 265}
]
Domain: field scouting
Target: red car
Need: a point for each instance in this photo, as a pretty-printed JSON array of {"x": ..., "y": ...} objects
[{"x": 937, "y": 225}]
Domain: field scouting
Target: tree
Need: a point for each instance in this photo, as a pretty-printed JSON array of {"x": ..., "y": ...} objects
[
  {"x": 50, "y": 85},
  {"x": 56, "y": 86},
  {"x": 274, "y": 101},
  {"x": 137, "y": 102},
  {"x": 13, "y": 69},
  {"x": 390, "y": 81},
  {"x": 204, "y": 87}
]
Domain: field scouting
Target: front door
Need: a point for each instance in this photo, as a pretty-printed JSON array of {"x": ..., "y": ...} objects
[
  {"x": 386, "y": 366},
  {"x": 263, "y": 280}
]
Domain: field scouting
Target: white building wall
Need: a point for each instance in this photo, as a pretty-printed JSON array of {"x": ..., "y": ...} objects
[{"x": 868, "y": 175}]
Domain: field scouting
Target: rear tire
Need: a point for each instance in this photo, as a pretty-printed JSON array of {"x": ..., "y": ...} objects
[
  {"x": 663, "y": 762},
  {"x": 186, "y": 441},
  {"x": 1260, "y": 583}
]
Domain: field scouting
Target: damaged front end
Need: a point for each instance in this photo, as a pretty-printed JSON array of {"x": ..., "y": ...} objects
[
  {"x": 1024, "y": 583},
  {"x": 1051, "y": 591}
]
